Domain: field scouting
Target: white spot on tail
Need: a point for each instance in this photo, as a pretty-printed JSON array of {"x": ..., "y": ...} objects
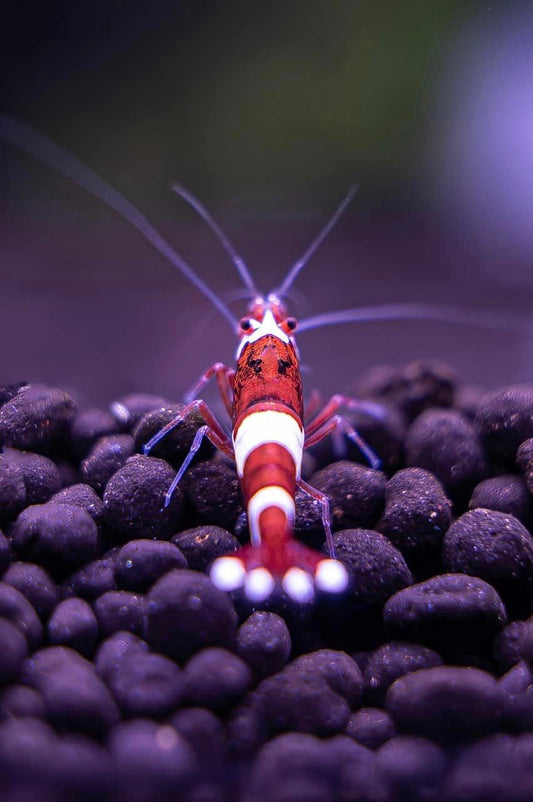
[
  {"x": 298, "y": 584},
  {"x": 227, "y": 573},
  {"x": 258, "y": 584},
  {"x": 271, "y": 496},
  {"x": 331, "y": 576},
  {"x": 268, "y": 426}
]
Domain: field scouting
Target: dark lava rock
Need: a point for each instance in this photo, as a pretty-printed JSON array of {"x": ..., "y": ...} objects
[
  {"x": 203, "y": 544},
  {"x": 13, "y": 651},
  {"x": 447, "y": 444},
  {"x": 93, "y": 580},
  {"x": 73, "y": 624},
  {"x": 38, "y": 418},
  {"x": 15, "y": 607},
  {"x": 356, "y": 493},
  {"x": 497, "y": 548},
  {"x": 134, "y": 500},
  {"x": 75, "y": 697},
  {"x": 152, "y": 760},
  {"x": 417, "y": 512},
  {"x": 19, "y": 701},
  {"x": 505, "y": 419},
  {"x": 446, "y": 703},
  {"x": 80, "y": 495},
  {"x": 264, "y": 642},
  {"x": 214, "y": 492},
  {"x": 371, "y": 727},
  {"x": 119, "y": 609},
  {"x": 415, "y": 767},
  {"x": 147, "y": 685},
  {"x": 454, "y": 613},
  {"x": 41, "y": 476},
  {"x": 216, "y": 679},
  {"x": 129, "y": 409},
  {"x": 185, "y": 613},
  {"x": 12, "y": 490},
  {"x": 60, "y": 537},
  {"x": 394, "y": 660},
  {"x": 175, "y": 446},
  {"x": 106, "y": 457},
  {"x": 114, "y": 650},
  {"x": 140, "y": 563},
  {"x": 508, "y": 494},
  {"x": 35, "y": 584},
  {"x": 88, "y": 427}
]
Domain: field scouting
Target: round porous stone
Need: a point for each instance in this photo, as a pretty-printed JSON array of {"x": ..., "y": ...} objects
[
  {"x": 119, "y": 609},
  {"x": 264, "y": 642},
  {"x": 93, "y": 580},
  {"x": 73, "y": 624},
  {"x": 81, "y": 495},
  {"x": 417, "y": 512},
  {"x": 85, "y": 769},
  {"x": 505, "y": 419},
  {"x": 140, "y": 563},
  {"x": 147, "y": 685},
  {"x": 175, "y": 446},
  {"x": 41, "y": 476},
  {"x": 391, "y": 661},
  {"x": 134, "y": 500},
  {"x": 13, "y": 651},
  {"x": 447, "y": 444},
  {"x": 517, "y": 709},
  {"x": 356, "y": 493},
  {"x": 216, "y": 679},
  {"x": 107, "y": 456},
  {"x": 203, "y": 731},
  {"x": 20, "y": 701},
  {"x": 128, "y": 409},
  {"x": 203, "y": 544},
  {"x": 370, "y": 727},
  {"x": 29, "y": 759},
  {"x": 214, "y": 493},
  {"x": 446, "y": 703},
  {"x": 5, "y": 553},
  {"x": 35, "y": 584},
  {"x": 456, "y": 614},
  {"x": 88, "y": 427},
  {"x": 497, "y": 548},
  {"x": 508, "y": 494},
  {"x": 60, "y": 537},
  {"x": 186, "y": 613},
  {"x": 15, "y": 607},
  {"x": 12, "y": 490},
  {"x": 76, "y": 699},
  {"x": 508, "y": 645},
  {"x": 114, "y": 649},
  {"x": 414, "y": 767},
  {"x": 37, "y": 419}
]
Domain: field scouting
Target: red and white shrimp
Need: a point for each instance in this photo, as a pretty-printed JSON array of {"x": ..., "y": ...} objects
[{"x": 262, "y": 394}]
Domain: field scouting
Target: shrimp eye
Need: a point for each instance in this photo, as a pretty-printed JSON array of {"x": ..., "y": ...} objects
[
  {"x": 291, "y": 323},
  {"x": 246, "y": 324}
]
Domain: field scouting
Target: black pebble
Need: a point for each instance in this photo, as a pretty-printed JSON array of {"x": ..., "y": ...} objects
[
  {"x": 106, "y": 457},
  {"x": 20, "y": 701},
  {"x": 76, "y": 698},
  {"x": 87, "y": 427},
  {"x": 391, "y": 661},
  {"x": 41, "y": 476},
  {"x": 114, "y": 649},
  {"x": 508, "y": 494},
  {"x": 59, "y": 537},
  {"x": 175, "y": 446},
  {"x": 119, "y": 609},
  {"x": 13, "y": 651},
  {"x": 38, "y": 419},
  {"x": 73, "y": 624},
  {"x": 35, "y": 584},
  {"x": 134, "y": 500},
  {"x": 447, "y": 444},
  {"x": 15, "y": 607},
  {"x": 185, "y": 613},
  {"x": 214, "y": 492},
  {"x": 203, "y": 544},
  {"x": 454, "y": 613},
  {"x": 497, "y": 548},
  {"x": 356, "y": 493},
  {"x": 85, "y": 770},
  {"x": 129, "y": 409},
  {"x": 264, "y": 642},
  {"x": 140, "y": 563},
  {"x": 370, "y": 727},
  {"x": 415, "y": 767},
  {"x": 505, "y": 419},
  {"x": 215, "y": 678},
  {"x": 446, "y": 703},
  {"x": 12, "y": 490},
  {"x": 93, "y": 580},
  {"x": 147, "y": 685},
  {"x": 29, "y": 759},
  {"x": 203, "y": 731},
  {"x": 524, "y": 458},
  {"x": 81, "y": 495},
  {"x": 508, "y": 644}
]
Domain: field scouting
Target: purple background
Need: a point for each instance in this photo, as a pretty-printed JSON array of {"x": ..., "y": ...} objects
[{"x": 267, "y": 111}]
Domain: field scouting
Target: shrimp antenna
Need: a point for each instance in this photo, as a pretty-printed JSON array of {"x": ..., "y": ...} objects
[
  {"x": 26, "y": 138},
  {"x": 237, "y": 260},
  {"x": 302, "y": 261},
  {"x": 448, "y": 314}
]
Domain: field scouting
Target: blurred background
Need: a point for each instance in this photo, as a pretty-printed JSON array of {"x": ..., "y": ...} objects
[{"x": 267, "y": 111}]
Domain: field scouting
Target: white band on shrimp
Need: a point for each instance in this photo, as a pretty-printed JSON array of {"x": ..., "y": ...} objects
[
  {"x": 269, "y": 426},
  {"x": 271, "y": 496}
]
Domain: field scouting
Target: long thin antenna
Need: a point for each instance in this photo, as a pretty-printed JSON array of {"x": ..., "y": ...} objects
[
  {"x": 302, "y": 261},
  {"x": 444, "y": 314},
  {"x": 237, "y": 260},
  {"x": 26, "y": 138}
]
